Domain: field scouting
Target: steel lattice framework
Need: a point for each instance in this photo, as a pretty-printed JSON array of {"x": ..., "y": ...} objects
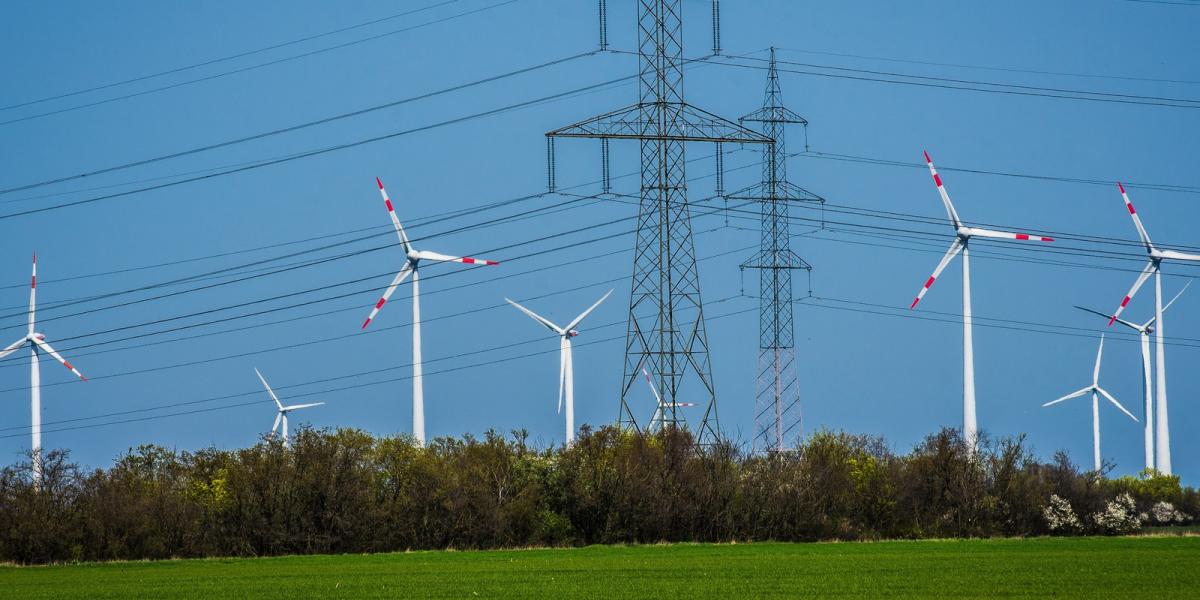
[
  {"x": 777, "y": 411},
  {"x": 665, "y": 333}
]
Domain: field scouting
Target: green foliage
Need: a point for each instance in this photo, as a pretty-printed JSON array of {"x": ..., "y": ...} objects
[{"x": 344, "y": 491}]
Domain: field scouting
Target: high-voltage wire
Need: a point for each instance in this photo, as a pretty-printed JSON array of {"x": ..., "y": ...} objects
[
  {"x": 991, "y": 68},
  {"x": 299, "y": 126},
  {"x": 870, "y": 308},
  {"x": 251, "y": 67},
  {"x": 324, "y": 150},
  {"x": 1162, "y": 187},
  {"x": 226, "y": 58},
  {"x": 1015, "y": 91}
]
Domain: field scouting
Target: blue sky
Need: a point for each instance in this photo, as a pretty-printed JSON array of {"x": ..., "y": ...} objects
[{"x": 490, "y": 367}]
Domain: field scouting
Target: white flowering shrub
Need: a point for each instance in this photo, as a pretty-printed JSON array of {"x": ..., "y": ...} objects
[
  {"x": 1120, "y": 516},
  {"x": 1165, "y": 513},
  {"x": 1060, "y": 516}
]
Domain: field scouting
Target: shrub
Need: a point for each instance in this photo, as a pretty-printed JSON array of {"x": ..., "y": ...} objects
[{"x": 342, "y": 490}]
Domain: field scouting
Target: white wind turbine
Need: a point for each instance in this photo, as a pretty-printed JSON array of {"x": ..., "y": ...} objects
[
  {"x": 37, "y": 343},
  {"x": 413, "y": 258},
  {"x": 1144, "y": 330},
  {"x": 1162, "y": 450},
  {"x": 963, "y": 235},
  {"x": 282, "y": 415},
  {"x": 566, "y": 366},
  {"x": 1094, "y": 389},
  {"x": 657, "y": 420}
]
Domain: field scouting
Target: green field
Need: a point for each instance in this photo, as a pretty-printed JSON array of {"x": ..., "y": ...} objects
[{"x": 1163, "y": 567}]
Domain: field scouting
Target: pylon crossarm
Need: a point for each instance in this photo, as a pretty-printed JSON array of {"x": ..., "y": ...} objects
[
  {"x": 783, "y": 191},
  {"x": 780, "y": 260},
  {"x": 640, "y": 122},
  {"x": 774, "y": 114}
]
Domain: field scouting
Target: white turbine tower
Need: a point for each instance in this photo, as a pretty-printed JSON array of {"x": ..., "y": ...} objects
[
  {"x": 963, "y": 235},
  {"x": 1162, "y": 450},
  {"x": 413, "y": 258},
  {"x": 282, "y": 415},
  {"x": 566, "y": 366},
  {"x": 37, "y": 343},
  {"x": 656, "y": 421},
  {"x": 1144, "y": 330},
  {"x": 1094, "y": 389}
]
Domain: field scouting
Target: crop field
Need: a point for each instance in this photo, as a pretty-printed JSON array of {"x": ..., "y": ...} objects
[{"x": 1163, "y": 567}]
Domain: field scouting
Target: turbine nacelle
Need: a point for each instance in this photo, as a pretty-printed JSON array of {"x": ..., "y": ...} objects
[{"x": 572, "y": 333}]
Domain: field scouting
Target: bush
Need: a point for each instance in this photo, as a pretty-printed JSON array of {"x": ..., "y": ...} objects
[{"x": 338, "y": 491}]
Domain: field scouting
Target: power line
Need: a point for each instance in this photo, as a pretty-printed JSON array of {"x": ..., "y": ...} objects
[
  {"x": 886, "y": 229},
  {"x": 861, "y": 308},
  {"x": 1015, "y": 90},
  {"x": 876, "y": 305},
  {"x": 325, "y": 150},
  {"x": 226, "y": 58},
  {"x": 193, "y": 176},
  {"x": 326, "y": 299},
  {"x": 13, "y": 360},
  {"x": 989, "y": 68},
  {"x": 1162, "y": 187},
  {"x": 297, "y": 127},
  {"x": 251, "y": 67}
]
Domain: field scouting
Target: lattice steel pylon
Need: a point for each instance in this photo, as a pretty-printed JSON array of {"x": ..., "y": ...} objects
[
  {"x": 777, "y": 411},
  {"x": 665, "y": 333}
]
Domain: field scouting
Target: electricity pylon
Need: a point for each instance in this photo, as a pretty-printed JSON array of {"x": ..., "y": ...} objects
[{"x": 665, "y": 332}]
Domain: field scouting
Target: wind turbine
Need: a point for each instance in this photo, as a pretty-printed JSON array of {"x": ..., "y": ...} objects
[
  {"x": 1144, "y": 330},
  {"x": 282, "y": 415},
  {"x": 566, "y": 367},
  {"x": 37, "y": 343},
  {"x": 657, "y": 419},
  {"x": 1162, "y": 450},
  {"x": 413, "y": 258},
  {"x": 962, "y": 239},
  {"x": 1094, "y": 389}
]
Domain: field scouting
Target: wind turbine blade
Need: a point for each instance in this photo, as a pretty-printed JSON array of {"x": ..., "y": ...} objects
[
  {"x": 269, "y": 390},
  {"x": 466, "y": 260},
  {"x": 400, "y": 277},
  {"x": 937, "y": 180},
  {"x": 587, "y": 312},
  {"x": 1137, "y": 221},
  {"x": 1074, "y": 394},
  {"x": 657, "y": 398},
  {"x": 395, "y": 219},
  {"x": 1145, "y": 274},
  {"x": 1096, "y": 369},
  {"x": 1173, "y": 254},
  {"x": 278, "y": 418},
  {"x": 1185, "y": 287},
  {"x": 538, "y": 318},
  {"x": 33, "y": 294},
  {"x": 13, "y": 347},
  {"x": 299, "y": 406},
  {"x": 1006, "y": 235},
  {"x": 57, "y": 356},
  {"x": 1132, "y": 326},
  {"x": 1105, "y": 393},
  {"x": 955, "y": 248}
]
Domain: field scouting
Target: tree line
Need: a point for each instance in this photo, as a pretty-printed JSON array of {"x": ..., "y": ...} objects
[{"x": 345, "y": 491}]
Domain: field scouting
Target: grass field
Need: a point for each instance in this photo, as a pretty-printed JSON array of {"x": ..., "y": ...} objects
[{"x": 1162, "y": 567}]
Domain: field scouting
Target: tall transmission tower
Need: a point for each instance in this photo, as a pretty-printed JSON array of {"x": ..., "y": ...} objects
[
  {"x": 665, "y": 333},
  {"x": 777, "y": 411}
]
